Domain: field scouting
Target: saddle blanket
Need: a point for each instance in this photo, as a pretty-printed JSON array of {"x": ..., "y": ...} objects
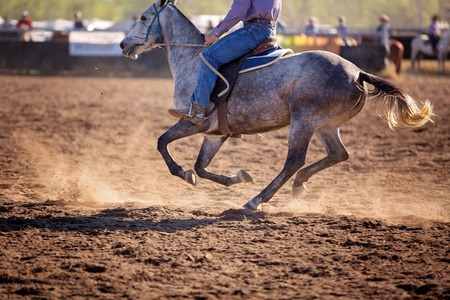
[
  {"x": 264, "y": 59},
  {"x": 228, "y": 73}
]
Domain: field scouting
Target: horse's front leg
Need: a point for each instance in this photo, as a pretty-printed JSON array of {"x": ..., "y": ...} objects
[
  {"x": 180, "y": 130},
  {"x": 210, "y": 147}
]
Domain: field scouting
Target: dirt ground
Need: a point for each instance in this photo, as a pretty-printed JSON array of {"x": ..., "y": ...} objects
[{"x": 88, "y": 208}]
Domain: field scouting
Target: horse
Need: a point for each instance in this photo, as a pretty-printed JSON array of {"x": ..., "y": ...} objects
[
  {"x": 421, "y": 45},
  {"x": 396, "y": 54},
  {"x": 315, "y": 92}
]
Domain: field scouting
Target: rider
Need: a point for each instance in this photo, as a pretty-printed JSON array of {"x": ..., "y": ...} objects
[
  {"x": 434, "y": 32},
  {"x": 384, "y": 32},
  {"x": 259, "y": 17}
]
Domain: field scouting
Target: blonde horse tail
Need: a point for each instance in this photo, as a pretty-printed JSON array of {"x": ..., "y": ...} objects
[{"x": 396, "y": 106}]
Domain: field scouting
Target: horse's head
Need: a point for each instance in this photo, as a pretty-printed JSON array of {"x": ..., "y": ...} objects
[{"x": 147, "y": 33}]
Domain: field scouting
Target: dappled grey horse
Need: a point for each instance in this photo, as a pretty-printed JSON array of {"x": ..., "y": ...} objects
[{"x": 314, "y": 92}]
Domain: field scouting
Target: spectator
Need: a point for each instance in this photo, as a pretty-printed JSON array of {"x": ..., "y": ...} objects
[
  {"x": 24, "y": 25},
  {"x": 342, "y": 32},
  {"x": 384, "y": 31},
  {"x": 7, "y": 25},
  {"x": 25, "y": 21},
  {"x": 210, "y": 26},
  {"x": 434, "y": 32},
  {"x": 134, "y": 19},
  {"x": 78, "y": 22},
  {"x": 311, "y": 28}
]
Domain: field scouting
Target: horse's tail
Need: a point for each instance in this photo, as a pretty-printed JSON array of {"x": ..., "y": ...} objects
[{"x": 397, "y": 107}]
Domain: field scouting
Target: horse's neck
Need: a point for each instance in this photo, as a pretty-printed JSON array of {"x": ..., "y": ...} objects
[
  {"x": 178, "y": 30},
  {"x": 183, "y": 61}
]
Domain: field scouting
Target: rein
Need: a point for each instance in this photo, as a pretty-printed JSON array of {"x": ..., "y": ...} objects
[{"x": 182, "y": 45}]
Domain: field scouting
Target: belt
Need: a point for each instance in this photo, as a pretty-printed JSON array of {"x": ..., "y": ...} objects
[{"x": 262, "y": 21}]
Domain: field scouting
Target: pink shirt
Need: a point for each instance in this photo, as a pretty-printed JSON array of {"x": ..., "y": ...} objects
[{"x": 246, "y": 10}]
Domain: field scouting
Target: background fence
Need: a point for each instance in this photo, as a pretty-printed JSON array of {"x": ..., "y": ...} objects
[{"x": 53, "y": 57}]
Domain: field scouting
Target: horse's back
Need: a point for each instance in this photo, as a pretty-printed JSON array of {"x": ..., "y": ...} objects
[
  {"x": 308, "y": 72},
  {"x": 323, "y": 64},
  {"x": 419, "y": 40},
  {"x": 328, "y": 70},
  {"x": 312, "y": 82},
  {"x": 420, "y": 44}
]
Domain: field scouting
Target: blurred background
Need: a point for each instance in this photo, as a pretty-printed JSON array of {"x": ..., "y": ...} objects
[
  {"x": 81, "y": 36},
  {"x": 361, "y": 13}
]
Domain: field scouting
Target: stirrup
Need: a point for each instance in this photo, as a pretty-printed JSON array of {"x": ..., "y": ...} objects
[
  {"x": 188, "y": 116},
  {"x": 195, "y": 113}
]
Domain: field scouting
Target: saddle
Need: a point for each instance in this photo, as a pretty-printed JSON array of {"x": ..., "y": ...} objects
[{"x": 267, "y": 53}]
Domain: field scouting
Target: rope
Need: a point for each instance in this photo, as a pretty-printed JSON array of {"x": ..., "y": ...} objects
[
  {"x": 158, "y": 31},
  {"x": 217, "y": 73},
  {"x": 182, "y": 45}
]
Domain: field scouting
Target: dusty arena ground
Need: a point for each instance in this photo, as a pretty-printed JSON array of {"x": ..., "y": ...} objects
[{"x": 88, "y": 208}]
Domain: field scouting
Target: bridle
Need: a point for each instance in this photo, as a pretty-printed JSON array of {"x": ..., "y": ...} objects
[
  {"x": 149, "y": 28},
  {"x": 158, "y": 30}
]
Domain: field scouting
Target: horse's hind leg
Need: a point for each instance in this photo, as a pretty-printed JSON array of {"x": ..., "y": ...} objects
[
  {"x": 299, "y": 137},
  {"x": 210, "y": 147},
  {"x": 329, "y": 136}
]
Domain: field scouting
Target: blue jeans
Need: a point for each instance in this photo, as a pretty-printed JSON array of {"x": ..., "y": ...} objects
[
  {"x": 226, "y": 49},
  {"x": 434, "y": 41}
]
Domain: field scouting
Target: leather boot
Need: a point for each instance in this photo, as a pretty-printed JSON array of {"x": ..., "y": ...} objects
[{"x": 194, "y": 113}]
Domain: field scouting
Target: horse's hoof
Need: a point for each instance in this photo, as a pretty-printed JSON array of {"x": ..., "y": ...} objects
[
  {"x": 298, "y": 190},
  {"x": 189, "y": 177},
  {"x": 254, "y": 204},
  {"x": 244, "y": 176}
]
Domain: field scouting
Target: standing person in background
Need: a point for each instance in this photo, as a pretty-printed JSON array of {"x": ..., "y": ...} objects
[
  {"x": 342, "y": 31},
  {"x": 78, "y": 22},
  {"x": 25, "y": 21},
  {"x": 259, "y": 17},
  {"x": 434, "y": 32},
  {"x": 24, "y": 25},
  {"x": 134, "y": 20},
  {"x": 311, "y": 28},
  {"x": 384, "y": 30},
  {"x": 7, "y": 25}
]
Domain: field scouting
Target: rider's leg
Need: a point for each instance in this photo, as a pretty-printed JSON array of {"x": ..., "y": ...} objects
[
  {"x": 228, "y": 48},
  {"x": 433, "y": 41}
]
